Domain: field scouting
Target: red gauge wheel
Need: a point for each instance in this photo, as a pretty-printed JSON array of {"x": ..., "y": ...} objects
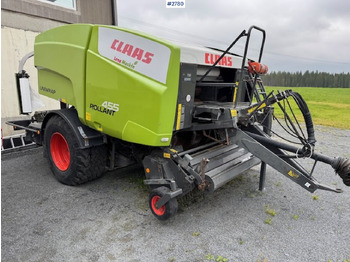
[
  {"x": 166, "y": 211},
  {"x": 161, "y": 210}
]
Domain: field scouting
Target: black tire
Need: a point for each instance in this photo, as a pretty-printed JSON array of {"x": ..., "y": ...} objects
[
  {"x": 70, "y": 164},
  {"x": 168, "y": 210}
]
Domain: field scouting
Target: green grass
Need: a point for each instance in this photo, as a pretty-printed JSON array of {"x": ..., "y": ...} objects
[{"x": 328, "y": 106}]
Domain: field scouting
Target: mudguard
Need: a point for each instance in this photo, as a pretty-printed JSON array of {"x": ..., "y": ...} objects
[{"x": 86, "y": 136}]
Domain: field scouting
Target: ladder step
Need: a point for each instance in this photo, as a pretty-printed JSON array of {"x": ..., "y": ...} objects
[{"x": 13, "y": 142}]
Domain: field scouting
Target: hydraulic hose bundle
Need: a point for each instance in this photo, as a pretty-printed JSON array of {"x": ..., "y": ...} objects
[
  {"x": 307, "y": 142},
  {"x": 307, "y": 116},
  {"x": 341, "y": 165}
]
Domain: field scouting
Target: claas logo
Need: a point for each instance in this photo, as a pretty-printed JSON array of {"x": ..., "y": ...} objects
[
  {"x": 210, "y": 59},
  {"x": 130, "y": 50}
]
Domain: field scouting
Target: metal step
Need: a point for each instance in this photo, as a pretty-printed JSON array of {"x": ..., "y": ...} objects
[
  {"x": 14, "y": 142},
  {"x": 225, "y": 163}
]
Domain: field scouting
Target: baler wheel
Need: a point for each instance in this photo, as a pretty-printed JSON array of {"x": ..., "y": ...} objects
[
  {"x": 59, "y": 151},
  {"x": 71, "y": 164},
  {"x": 168, "y": 210}
]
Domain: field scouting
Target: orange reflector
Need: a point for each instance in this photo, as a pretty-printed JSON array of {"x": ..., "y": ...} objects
[{"x": 147, "y": 170}]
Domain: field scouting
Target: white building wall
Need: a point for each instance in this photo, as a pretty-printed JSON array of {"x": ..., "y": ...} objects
[{"x": 16, "y": 43}]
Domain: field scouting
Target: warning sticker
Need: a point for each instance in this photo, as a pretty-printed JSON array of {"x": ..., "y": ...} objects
[{"x": 293, "y": 174}]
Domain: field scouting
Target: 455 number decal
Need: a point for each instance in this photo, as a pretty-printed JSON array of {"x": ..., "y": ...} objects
[
  {"x": 111, "y": 106},
  {"x": 106, "y": 107}
]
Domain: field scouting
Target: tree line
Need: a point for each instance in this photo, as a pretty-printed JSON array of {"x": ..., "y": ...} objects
[{"x": 307, "y": 79}]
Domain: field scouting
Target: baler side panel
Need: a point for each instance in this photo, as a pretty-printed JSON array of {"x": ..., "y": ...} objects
[
  {"x": 123, "y": 100},
  {"x": 186, "y": 97},
  {"x": 60, "y": 57}
]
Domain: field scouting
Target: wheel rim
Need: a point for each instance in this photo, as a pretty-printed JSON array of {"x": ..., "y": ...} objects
[
  {"x": 60, "y": 151},
  {"x": 161, "y": 210}
]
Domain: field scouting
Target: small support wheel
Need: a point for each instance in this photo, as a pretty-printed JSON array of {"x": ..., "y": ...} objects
[{"x": 164, "y": 212}]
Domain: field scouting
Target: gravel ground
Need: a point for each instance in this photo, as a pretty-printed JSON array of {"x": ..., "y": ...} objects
[{"x": 109, "y": 219}]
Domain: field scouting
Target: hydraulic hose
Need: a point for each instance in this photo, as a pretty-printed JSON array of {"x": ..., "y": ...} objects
[
  {"x": 307, "y": 116},
  {"x": 311, "y": 140}
]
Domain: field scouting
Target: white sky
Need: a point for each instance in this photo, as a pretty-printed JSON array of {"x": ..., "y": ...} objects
[{"x": 301, "y": 34}]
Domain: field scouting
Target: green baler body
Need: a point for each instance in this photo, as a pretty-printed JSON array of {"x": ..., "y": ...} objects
[{"x": 122, "y": 83}]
